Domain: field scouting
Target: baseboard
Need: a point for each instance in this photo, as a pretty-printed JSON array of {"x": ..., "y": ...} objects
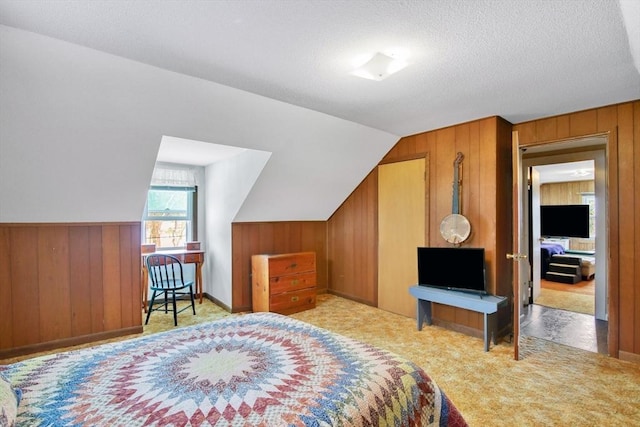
[
  {"x": 350, "y": 297},
  {"x": 68, "y": 342},
  {"x": 217, "y": 302},
  {"x": 629, "y": 357}
]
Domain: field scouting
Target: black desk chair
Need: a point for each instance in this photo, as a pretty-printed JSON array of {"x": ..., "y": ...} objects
[{"x": 166, "y": 276}]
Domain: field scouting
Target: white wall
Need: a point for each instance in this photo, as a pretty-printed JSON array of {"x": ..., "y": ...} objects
[
  {"x": 227, "y": 184},
  {"x": 80, "y": 130}
]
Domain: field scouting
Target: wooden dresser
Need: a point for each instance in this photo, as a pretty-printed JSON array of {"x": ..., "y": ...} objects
[{"x": 283, "y": 283}]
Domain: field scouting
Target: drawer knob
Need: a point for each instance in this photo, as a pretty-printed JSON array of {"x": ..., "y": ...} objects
[
  {"x": 294, "y": 282},
  {"x": 294, "y": 265},
  {"x": 294, "y": 299}
]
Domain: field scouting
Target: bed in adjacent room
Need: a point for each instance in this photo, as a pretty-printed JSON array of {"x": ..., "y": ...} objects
[{"x": 255, "y": 369}]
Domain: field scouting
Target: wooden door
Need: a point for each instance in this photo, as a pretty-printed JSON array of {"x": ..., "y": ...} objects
[
  {"x": 401, "y": 229},
  {"x": 520, "y": 265}
]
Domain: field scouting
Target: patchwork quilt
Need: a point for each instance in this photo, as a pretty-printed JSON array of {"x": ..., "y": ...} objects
[{"x": 259, "y": 369}]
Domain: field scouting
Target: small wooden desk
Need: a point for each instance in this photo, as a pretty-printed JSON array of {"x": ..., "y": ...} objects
[
  {"x": 486, "y": 304},
  {"x": 186, "y": 257}
]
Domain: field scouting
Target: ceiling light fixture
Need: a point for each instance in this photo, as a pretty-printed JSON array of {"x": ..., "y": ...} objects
[
  {"x": 379, "y": 67},
  {"x": 581, "y": 173}
]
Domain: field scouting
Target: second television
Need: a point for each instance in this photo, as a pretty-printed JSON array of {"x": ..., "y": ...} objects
[{"x": 460, "y": 269}]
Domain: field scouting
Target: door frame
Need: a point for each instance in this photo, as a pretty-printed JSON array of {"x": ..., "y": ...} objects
[
  {"x": 602, "y": 253},
  {"x": 576, "y": 144}
]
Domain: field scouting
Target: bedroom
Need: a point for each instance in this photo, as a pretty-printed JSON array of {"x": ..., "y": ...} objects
[
  {"x": 103, "y": 136},
  {"x": 563, "y": 284}
]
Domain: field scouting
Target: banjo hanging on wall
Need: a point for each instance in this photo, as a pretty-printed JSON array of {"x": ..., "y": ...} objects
[{"x": 455, "y": 228}]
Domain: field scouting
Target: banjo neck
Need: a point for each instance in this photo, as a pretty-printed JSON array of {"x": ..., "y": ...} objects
[{"x": 455, "y": 208}]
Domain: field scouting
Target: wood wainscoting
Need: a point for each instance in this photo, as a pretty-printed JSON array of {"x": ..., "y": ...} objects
[
  {"x": 67, "y": 284},
  {"x": 485, "y": 199},
  {"x": 621, "y": 122},
  {"x": 254, "y": 238}
]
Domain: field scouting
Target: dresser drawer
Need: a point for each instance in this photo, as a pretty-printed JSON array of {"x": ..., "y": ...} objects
[
  {"x": 292, "y": 282},
  {"x": 292, "y": 263},
  {"x": 283, "y": 283},
  {"x": 192, "y": 258},
  {"x": 292, "y": 302}
]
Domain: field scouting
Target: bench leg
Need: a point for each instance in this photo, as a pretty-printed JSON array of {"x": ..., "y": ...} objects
[
  {"x": 486, "y": 332},
  {"x": 424, "y": 313},
  {"x": 490, "y": 331}
]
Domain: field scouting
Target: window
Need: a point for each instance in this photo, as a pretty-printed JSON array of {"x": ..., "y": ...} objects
[
  {"x": 590, "y": 199},
  {"x": 169, "y": 219}
]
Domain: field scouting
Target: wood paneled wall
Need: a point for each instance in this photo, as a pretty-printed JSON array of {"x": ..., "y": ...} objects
[
  {"x": 565, "y": 193},
  {"x": 485, "y": 200},
  {"x": 622, "y": 123},
  {"x": 353, "y": 244},
  {"x": 64, "y": 284},
  {"x": 569, "y": 193},
  {"x": 253, "y": 238}
]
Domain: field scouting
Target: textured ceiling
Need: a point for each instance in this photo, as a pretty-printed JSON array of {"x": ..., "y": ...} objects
[{"x": 469, "y": 59}]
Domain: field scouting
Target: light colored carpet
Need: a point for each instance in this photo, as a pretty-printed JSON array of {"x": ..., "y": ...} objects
[
  {"x": 552, "y": 384},
  {"x": 579, "y": 303}
]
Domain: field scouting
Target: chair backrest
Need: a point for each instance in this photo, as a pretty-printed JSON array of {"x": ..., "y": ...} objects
[{"x": 165, "y": 271}]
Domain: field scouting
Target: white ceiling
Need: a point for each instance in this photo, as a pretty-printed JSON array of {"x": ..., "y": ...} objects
[
  {"x": 190, "y": 152},
  {"x": 566, "y": 172},
  {"x": 469, "y": 59}
]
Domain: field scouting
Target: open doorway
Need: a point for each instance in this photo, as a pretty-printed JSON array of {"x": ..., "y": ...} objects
[{"x": 566, "y": 296}]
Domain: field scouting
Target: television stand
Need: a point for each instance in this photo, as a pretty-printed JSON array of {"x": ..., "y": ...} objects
[{"x": 486, "y": 304}]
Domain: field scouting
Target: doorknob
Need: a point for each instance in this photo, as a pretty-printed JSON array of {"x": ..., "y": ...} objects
[{"x": 516, "y": 256}]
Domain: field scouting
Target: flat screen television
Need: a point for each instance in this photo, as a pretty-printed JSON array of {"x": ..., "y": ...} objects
[
  {"x": 564, "y": 220},
  {"x": 460, "y": 269}
]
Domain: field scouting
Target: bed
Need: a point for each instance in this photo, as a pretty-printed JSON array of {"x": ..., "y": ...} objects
[{"x": 259, "y": 369}]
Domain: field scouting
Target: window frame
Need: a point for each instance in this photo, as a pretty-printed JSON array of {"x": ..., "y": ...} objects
[
  {"x": 191, "y": 216},
  {"x": 590, "y": 199}
]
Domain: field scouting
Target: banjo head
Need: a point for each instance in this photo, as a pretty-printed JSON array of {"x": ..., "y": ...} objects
[{"x": 455, "y": 228}]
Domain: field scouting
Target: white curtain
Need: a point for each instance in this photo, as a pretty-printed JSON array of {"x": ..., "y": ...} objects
[{"x": 175, "y": 175}]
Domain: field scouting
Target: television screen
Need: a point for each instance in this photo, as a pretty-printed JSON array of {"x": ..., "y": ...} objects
[
  {"x": 452, "y": 268},
  {"x": 564, "y": 220}
]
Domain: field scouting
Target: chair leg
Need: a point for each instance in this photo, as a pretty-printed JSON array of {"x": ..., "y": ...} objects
[
  {"x": 166, "y": 302},
  {"x": 175, "y": 311},
  {"x": 153, "y": 297},
  {"x": 193, "y": 304}
]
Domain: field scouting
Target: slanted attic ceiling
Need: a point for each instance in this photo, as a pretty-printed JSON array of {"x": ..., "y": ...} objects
[
  {"x": 469, "y": 59},
  {"x": 274, "y": 76}
]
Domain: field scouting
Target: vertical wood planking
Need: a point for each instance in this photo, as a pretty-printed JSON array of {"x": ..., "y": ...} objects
[
  {"x": 111, "y": 277},
  {"x": 94, "y": 250},
  {"x": 347, "y": 246},
  {"x": 25, "y": 293},
  {"x": 270, "y": 238},
  {"x": 352, "y": 231},
  {"x": 622, "y": 123},
  {"x": 79, "y": 281},
  {"x": 128, "y": 298},
  {"x": 583, "y": 122},
  {"x": 53, "y": 283},
  {"x": 136, "y": 274},
  {"x": 636, "y": 211},
  {"x": 237, "y": 275},
  {"x": 6, "y": 308},
  {"x": 626, "y": 194}
]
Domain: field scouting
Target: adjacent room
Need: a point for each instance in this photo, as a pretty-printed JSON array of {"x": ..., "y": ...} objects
[{"x": 309, "y": 212}]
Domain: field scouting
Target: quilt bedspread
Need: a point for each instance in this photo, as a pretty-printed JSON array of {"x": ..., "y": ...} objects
[{"x": 260, "y": 369}]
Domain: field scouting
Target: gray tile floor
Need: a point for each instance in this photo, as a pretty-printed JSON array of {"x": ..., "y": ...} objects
[{"x": 564, "y": 327}]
